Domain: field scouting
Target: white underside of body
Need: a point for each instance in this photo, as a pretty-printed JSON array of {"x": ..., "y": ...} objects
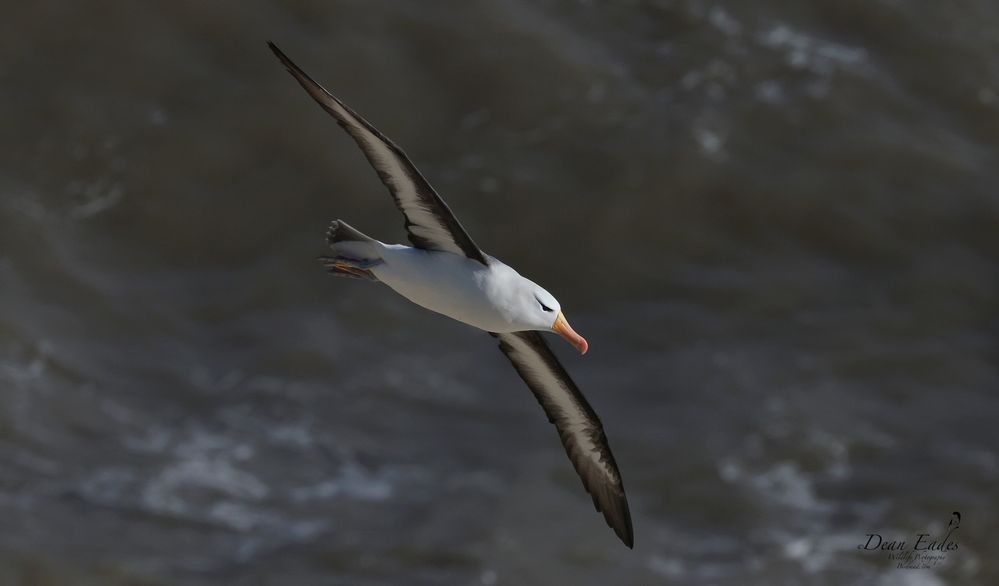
[{"x": 451, "y": 284}]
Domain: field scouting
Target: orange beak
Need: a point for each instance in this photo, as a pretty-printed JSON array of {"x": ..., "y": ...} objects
[{"x": 562, "y": 328}]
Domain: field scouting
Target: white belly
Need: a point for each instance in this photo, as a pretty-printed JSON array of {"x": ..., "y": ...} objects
[{"x": 449, "y": 284}]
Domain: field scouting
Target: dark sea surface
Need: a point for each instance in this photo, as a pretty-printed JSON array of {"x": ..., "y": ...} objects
[{"x": 776, "y": 222}]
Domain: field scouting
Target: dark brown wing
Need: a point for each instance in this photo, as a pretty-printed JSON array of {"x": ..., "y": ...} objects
[
  {"x": 429, "y": 221},
  {"x": 577, "y": 425}
]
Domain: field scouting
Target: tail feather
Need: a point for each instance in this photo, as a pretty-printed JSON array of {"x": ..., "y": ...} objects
[
  {"x": 355, "y": 252},
  {"x": 340, "y": 231}
]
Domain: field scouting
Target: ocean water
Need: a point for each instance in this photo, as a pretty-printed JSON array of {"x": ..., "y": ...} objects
[{"x": 777, "y": 224}]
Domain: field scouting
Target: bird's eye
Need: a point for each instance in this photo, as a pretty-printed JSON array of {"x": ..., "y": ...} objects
[{"x": 544, "y": 307}]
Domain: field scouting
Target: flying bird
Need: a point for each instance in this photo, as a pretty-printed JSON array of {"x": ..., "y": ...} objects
[{"x": 446, "y": 272}]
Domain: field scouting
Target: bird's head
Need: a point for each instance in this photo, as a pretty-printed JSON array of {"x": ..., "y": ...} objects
[{"x": 539, "y": 310}]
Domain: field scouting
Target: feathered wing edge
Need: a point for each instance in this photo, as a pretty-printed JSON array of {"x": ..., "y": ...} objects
[
  {"x": 578, "y": 426},
  {"x": 429, "y": 221}
]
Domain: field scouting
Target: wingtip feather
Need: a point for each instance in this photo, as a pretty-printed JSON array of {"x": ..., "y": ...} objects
[{"x": 284, "y": 59}]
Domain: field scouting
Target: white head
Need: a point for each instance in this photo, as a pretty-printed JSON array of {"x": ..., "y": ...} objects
[{"x": 533, "y": 308}]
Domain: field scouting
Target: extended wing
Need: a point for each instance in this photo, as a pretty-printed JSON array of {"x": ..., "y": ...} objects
[
  {"x": 429, "y": 221},
  {"x": 577, "y": 425}
]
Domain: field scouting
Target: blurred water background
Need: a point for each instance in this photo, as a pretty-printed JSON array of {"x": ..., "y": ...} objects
[{"x": 776, "y": 222}]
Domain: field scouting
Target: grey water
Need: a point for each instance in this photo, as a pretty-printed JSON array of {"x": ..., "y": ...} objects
[{"x": 777, "y": 224}]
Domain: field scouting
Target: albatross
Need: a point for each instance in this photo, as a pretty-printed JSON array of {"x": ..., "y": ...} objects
[{"x": 446, "y": 272}]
